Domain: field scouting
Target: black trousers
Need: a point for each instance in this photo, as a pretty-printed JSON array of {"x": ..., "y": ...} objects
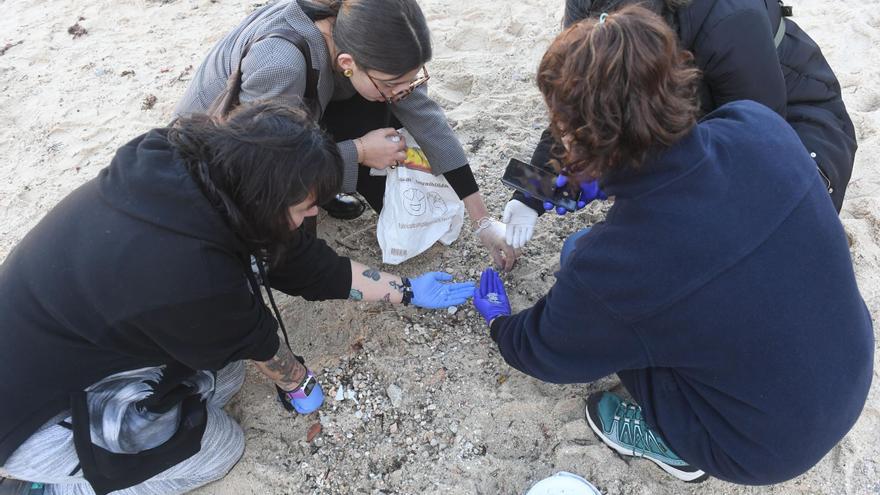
[{"x": 352, "y": 118}]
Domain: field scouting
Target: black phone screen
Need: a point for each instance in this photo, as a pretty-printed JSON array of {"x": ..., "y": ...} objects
[{"x": 541, "y": 184}]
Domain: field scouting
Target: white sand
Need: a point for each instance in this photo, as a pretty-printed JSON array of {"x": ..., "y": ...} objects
[{"x": 466, "y": 422}]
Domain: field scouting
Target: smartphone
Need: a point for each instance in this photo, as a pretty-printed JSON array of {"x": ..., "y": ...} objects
[{"x": 539, "y": 183}]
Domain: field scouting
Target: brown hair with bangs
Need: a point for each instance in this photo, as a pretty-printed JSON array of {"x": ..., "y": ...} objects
[{"x": 616, "y": 91}]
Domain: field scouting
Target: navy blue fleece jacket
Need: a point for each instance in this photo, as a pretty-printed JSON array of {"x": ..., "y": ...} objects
[{"x": 720, "y": 288}]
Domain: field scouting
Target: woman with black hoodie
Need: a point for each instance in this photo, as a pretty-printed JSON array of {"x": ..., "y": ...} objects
[
  {"x": 125, "y": 314},
  {"x": 745, "y": 50}
]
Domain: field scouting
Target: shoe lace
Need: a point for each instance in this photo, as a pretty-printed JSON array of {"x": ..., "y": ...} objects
[{"x": 633, "y": 431}]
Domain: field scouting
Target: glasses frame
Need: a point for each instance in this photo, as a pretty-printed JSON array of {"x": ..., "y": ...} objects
[{"x": 418, "y": 81}]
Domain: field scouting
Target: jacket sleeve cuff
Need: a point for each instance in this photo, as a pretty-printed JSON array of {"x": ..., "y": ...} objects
[
  {"x": 340, "y": 288},
  {"x": 348, "y": 150},
  {"x": 462, "y": 181},
  {"x": 266, "y": 349},
  {"x": 495, "y": 328}
]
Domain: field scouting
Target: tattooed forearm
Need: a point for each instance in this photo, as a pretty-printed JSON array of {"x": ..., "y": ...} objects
[
  {"x": 283, "y": 368},
  {"x": 369, "y": 284},
  {"x": 372, "y": 274}
]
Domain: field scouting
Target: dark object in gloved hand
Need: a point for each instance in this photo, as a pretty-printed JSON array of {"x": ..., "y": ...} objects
[{"x": 589, "y": 191}]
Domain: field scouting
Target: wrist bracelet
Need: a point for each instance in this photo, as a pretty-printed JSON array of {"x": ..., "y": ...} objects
[
  {"x": 482, "y": 224},
  {"x": 407, "y": 291}
]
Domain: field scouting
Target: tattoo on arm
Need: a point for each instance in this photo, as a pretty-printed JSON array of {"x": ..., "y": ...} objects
[
  {"x": 285, "y": 366},
  {"x": 399, "y": 287},
  {"x": 372, "y": 274},
  {"x": 387, "y": 297},
  {"x": 355, "y": 295}
]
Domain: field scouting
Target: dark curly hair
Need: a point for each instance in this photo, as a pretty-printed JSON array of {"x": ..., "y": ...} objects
[
  {"x": 256, "y": 163},
  {"x": 616, "y": 91}
]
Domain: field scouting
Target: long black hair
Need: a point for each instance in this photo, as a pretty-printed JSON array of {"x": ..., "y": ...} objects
[
  {"x": 256, "y": 163},
  {"x": 389, "y": 36}
]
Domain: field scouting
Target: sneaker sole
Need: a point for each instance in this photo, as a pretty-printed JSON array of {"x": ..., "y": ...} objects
[{"x": 690, "y": 477}]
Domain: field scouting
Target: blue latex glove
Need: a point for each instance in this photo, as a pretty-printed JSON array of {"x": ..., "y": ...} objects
[
  {"x": 306, "y": 398},
  {"x": 589, "y": 191},
  {"x": 491, "y": 300},
  {"x": 433, "y": 290}
]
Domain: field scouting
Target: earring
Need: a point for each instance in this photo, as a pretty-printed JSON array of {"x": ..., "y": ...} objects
[{"x": 347, "y": 72}]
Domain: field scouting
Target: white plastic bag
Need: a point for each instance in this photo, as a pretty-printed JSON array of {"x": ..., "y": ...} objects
[{"x": 419, "y": 210}]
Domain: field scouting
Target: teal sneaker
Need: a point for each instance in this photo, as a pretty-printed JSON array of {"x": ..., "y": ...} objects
[
  {"x": 15, "y": 487},
  {"x": 620, "y": 425}
]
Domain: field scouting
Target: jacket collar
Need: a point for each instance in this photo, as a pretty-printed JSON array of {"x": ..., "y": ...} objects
[{"x": 660, "y": 167}]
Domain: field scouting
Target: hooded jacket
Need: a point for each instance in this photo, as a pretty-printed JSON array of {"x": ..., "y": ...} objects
[
  {"x": 134, "y": 269},
  {"x": 733, "y": 45},
  {"x": 721, "y": 290}
]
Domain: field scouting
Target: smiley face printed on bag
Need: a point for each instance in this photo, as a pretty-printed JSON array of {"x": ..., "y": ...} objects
[
  {"x": 438, "y": 206},
  {"x": 415, "y": 202}
]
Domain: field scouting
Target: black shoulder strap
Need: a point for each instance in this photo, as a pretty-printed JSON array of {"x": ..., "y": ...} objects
[
  {"x": 229, "y": 97},
  {"x": 312, "y": 74}
]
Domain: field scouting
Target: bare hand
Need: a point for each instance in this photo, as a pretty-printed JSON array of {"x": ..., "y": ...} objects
[
  {"x": 493, "y": 238},
  {"x": 383, "y": 148}
]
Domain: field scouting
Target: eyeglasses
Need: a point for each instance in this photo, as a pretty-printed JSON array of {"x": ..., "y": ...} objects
[{"x": 400, "y": 95}]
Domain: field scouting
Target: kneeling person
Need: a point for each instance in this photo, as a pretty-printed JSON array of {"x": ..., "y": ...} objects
[
  {"x": 127, "y": 311},
  {"x": 719, "y": 289}
]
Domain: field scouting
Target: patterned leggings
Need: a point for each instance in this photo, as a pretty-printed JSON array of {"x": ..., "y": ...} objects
[{"x": 49, "y": 457}]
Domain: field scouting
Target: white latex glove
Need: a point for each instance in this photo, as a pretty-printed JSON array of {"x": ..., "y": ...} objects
[
  {"x": 520, "y": 220},
  {"x": 492, "y": 238}
]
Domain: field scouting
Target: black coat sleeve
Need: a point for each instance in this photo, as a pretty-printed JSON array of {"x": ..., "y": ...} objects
[
  {"x": 312, "y": 269},
  {"x": 568, "y": 336},
  {"x": 462, "y": 181},
  {"x": 739, "y": 61}
]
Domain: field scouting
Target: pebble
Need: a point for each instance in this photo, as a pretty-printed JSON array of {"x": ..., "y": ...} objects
[
  {"x": 395, "y": 394},
  {"x": 452, "y": 310}
]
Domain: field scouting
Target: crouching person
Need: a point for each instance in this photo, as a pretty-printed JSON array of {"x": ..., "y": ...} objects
[
  {"x": 128, "y": 310},
  {"x": 720, "y": 287}
]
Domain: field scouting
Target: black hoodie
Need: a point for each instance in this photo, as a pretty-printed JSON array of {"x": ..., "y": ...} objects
[
  {"x": 733, "y": 46},
  {"x": 133, "y": 269}
]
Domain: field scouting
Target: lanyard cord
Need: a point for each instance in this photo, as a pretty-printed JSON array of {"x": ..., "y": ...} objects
[{"x": 261, "y": 266}]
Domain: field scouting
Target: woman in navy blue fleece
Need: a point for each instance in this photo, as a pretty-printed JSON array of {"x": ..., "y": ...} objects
[{"x": 719, "y": 288}]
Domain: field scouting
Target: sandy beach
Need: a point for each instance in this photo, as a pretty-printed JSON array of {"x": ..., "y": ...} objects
[{"x": 428, "y": 405}]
